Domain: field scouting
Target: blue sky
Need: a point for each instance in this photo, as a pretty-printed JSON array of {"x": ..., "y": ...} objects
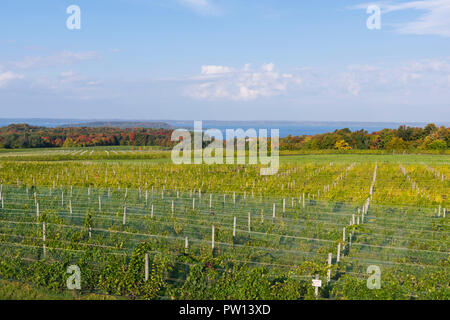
[{"x": 226, "y": 60}]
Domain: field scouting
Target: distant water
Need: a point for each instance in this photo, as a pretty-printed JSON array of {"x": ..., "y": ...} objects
[
  {"x": 299, "y": 129},
  {"x": 286, "y": 127},
  {"x": 295, "y": 129}
]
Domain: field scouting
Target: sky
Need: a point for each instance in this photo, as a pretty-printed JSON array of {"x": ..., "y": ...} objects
[{"x": 226, "y": 60}]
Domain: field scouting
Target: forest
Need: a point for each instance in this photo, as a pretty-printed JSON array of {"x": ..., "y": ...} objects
[{"x": 430, "y": 137}]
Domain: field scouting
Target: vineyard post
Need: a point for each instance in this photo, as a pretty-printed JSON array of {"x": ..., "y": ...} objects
[
  {"x": 444, "y": 211},
  {"x": 234, "y": 228},
  {"x": 151, "y": 215},
  {"x": 212, "y": 238},
  {"x": 439, "y": 211},
  {"x": 353, "y": 219},
  {"x": 338, "y": 255},
  {"x": 316, "y": 288},
  {"x": 330, "y": 257},
  {"x": 99, "y": 203},
  {"x": 37, "y": 210},
  {"x": 303, "y": 199},
  {"x": 44, "y": 231},
  {"x": 193, "y": 204},
  {"x": 173, "y": 207},
  {"x": 146, "y": 267},
  {"x": 70, "y": 206},
  {"x": 186, "y": 245},
  {"x": 210, "y": 200},
  {"x": 273, "y": 213},
  {"x": 284, "y": 205},
  {"x": 343, "y": 234},
  {"x": 62, "y": 198},
  {"x": 249, "y": 222},
  {"x": 124, "y": 215},
  {"x": 90, "y": 232},
  {"x": 146, "y": 197}
]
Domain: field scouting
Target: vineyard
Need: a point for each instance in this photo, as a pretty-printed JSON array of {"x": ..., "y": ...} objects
[{"x": 153, "y": 230}]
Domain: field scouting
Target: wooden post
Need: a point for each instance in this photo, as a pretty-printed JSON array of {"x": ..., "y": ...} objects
[
  {"x": 151, "y": 215},
  {"x": 193, "y": 204},
  {"x": 303, "y": 199},
  {"x": 353, "y": 219},
  {"x": 338, "y": 255},
  {"x": 330, "y": 257},
  {"x": 124, "y": 215},
  {"x": 284, "y": 205},
  {"x": 70, "y": 206},
  {"x": 90, "y": 232},
  {"x": 186, "y": 245},
  {"x": 210, "y": 200},
  {"x": 343, "y": 234},
  {"x": 146, "y": 267},
  {"x": 62, "y": 198},
  {"x": 316, "y": 288},
  {"x": 44, "y": 234},
  {"x": 234, "y": 228},
  {"x": 273, "y": 213},
  {"x": 99, "y": 203},
  {"x": 212, "y": 238},
  {"x": 37, "y": 210}
]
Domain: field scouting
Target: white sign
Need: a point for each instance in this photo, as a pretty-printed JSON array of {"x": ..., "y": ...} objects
[{"x": 317, "y": 283}]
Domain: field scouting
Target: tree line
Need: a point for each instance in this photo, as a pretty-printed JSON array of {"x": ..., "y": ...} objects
[{"x": 430, "y": 137}]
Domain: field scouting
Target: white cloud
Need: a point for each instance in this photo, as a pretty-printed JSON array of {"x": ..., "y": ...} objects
[
  {"x": 8, "y": 76},
  {"x": 200, "y": 6},
  {"x": 421, "y": 77},
  {"x": 243, "y": 85},
  {"x": 213, "y": 70},
  {"x": 433, "y": 20},
  {"x": 62, "y": 58}
]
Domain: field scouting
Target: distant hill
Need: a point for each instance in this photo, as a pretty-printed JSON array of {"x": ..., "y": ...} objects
[{"x": 121, "y": 124}]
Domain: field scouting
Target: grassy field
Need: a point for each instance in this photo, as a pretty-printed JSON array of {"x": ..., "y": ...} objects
[{"x": 222, "y": 231}]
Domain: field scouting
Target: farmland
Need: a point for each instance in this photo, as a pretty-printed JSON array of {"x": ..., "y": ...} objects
[{"x": 140, "y": 227}]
